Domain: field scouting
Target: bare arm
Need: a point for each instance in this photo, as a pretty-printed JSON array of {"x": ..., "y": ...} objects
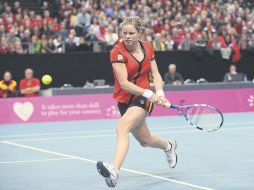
[
  {"x": 158, "y": 84},
  {"x": 24, "y": 91},
  {"x": 35, "y": 89},
  {"x": 30, "y": 90},
  {"x": 157, "y": 80}
]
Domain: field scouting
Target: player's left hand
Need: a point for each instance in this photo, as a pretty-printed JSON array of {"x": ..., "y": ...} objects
[{"x": 162, "y": 101}]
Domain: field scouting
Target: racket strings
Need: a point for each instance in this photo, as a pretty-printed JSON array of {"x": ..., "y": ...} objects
[{"x": 204, "y": 117}]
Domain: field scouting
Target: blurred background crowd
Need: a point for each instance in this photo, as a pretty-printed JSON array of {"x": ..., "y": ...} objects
[{"x": 58, "y": 26}]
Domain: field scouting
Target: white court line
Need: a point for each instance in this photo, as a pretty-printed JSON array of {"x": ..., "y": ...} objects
[
  {"x": 57, "y": 133},
  {"x": 30, "y": 161},
  {"x": 64, "y": 138},
  {"x": 72, "y": 132},
  {"x": 113, "y": 135},
  {"x": 170, "y": 127},
  {"x": 93, "y": 161}
]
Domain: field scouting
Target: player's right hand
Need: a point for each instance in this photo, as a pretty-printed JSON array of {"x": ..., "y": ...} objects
[
  {"x": 154, "y": 98},
  {"x": 163, "y": 101}
]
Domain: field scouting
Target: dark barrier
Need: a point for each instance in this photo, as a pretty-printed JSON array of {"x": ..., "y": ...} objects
[
  {"x": 171, "y": 88},
  {"x": 76, "y": 68}
]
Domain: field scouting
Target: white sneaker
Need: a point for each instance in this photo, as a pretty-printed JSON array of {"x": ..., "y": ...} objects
[
  {"x": 108, "y": 172},
  {"x": 171, "y": 154}
]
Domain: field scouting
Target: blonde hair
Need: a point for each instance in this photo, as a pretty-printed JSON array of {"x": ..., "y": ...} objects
[{"x": 135, "y": 21}]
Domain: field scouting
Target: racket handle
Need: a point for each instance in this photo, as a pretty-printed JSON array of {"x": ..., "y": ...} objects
[{"x": 168, "y": 105}]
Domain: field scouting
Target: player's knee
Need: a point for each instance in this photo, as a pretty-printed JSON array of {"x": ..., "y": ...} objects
[
  {"x": 123, "y": 127},
  {"x": 144, "y": 142}
]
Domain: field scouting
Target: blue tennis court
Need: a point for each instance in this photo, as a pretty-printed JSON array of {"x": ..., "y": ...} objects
[{"x": 62, "y": 156}]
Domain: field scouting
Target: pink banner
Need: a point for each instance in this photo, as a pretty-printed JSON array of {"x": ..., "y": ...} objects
[{"x": 103, "y": 106}]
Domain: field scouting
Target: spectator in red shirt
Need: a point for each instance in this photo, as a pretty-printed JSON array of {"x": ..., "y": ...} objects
[
  {"x": 235, "y": 46},
  {"x": 217, "y": 42},
  {"x": 38, "y": 21},
  {"x": 7, "y": 86},
  {"x": 196, "y": 32},
  {"x": 46, "y": 16},
  {"x": 29, "y": 86}
]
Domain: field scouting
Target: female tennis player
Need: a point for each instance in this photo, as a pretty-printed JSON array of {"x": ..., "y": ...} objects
[{"x": 132, "y": 60}]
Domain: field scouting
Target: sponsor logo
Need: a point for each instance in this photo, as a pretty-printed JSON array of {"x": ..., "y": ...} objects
[
  {"x": 142, "y": 101},
  {"x": 119, "y": 57}
]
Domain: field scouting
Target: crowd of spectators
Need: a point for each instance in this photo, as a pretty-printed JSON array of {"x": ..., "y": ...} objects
[{"x": 168, "y": 24}]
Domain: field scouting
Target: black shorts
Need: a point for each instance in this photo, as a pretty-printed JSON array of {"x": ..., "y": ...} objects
[{"x": 140, "y": 101}]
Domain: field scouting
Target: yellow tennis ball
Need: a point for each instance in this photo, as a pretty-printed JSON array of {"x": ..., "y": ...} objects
[{"x": 46, "y": 79}]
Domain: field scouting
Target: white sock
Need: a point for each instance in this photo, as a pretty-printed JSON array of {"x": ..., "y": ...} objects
[
  {"x": 114, "y": 168},
  {"x": 168, "y": 147}
]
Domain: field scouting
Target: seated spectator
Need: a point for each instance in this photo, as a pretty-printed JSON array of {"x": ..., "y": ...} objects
[
  {"x": 63, "y": 31},
  {"x": 70, "y": 45},
  {"x": 110, "y": 37},
  {"x": 228, "y": 40},
  {"x": 94, "y": 29},
  {"x": 84, "y": 19},
  {"x": 169, "y": 43},
  {"x": 216, "y": 42},
  {"x": 36, "y": 45},
  {"x": 244, "y": 42},
  {"x": 18, "y": 49},
  {"x": 21, "y": 31},
  {"x": 100, "y": 35},
  {"x": 51, "y": 30},
  {"x": 50, "y": 47},
  {"x": 76, "y": 39},
  {"x": 226, "y": 50},
  {"x": 43, "y": 42},
  {"x": 36, "y": 31},
  {"x": 47, "y": 17},
  {"x": 196, "y": 33},
  {"x": 200, "y": 42},
  {"x": 233, "y": 75},
  {"x": 186, "y": 44},
  {"x": 4, "y": 47},
  {"x": 44, "y": 27},
  {"x": 158, "y": 43},
  {"x": 58, "y": 43},
  {"x": 177, "y": 35},
  {"x": 26, "y": 40},
  {"x": 235, "y": 46},
  {"x": 16, "y": 7},
  {"x": 29, "y": 86},
  {"x": 7, "y": 86},
  {"x": 173, "y": 77},
  {"x": 73, "y": 18},
  {"x": 12, "y": 38}
]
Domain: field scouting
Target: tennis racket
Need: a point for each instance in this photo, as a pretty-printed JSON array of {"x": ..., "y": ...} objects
[{"x": 201, "y": 116}]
